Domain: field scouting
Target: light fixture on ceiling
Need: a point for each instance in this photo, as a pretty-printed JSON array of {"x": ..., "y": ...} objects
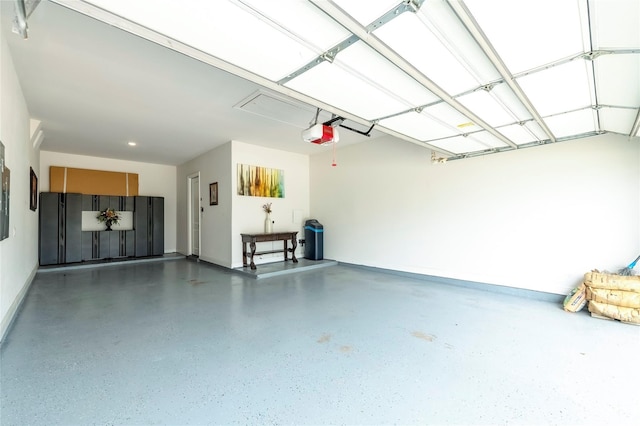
[{"x": 132, "y": 143}]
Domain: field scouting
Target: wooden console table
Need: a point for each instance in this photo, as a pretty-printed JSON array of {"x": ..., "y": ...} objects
[{"x": 252, "y": 239}]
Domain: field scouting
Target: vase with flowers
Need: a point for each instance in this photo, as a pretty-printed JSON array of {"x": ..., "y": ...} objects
[
  {"x": 268, "y": 223},
  {"x": 110, "y": 217}
]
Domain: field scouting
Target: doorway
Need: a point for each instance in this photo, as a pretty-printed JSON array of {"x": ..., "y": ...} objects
[{"x": 195, "y": 209}]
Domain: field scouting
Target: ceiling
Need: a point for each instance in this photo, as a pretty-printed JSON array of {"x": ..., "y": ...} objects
[{"x": 460, "y": 78}]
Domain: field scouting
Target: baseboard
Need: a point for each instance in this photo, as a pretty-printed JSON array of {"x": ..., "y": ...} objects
[
  {"x": 514, "y": 291},
  {"x": 14, "y": 309},
  {"x": 110, "y": 262}
]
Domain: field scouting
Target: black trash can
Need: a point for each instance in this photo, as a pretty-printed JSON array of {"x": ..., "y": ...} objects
[{"x": 313, "y": 233}]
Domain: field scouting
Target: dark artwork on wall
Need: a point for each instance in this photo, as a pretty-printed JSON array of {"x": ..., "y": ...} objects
[
  {"x": 4, "y": 196},
  {"x": 33, "y": 191},
  {"x": 213, "y": 194}
]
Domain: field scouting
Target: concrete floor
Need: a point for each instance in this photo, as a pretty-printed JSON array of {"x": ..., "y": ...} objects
[{"x": 181, "y": 342}]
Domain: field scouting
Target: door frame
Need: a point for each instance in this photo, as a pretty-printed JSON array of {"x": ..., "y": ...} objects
[{"x": 190, "y": 214}]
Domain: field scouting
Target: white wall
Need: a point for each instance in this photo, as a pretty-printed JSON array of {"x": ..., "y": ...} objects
[
  {"x": 215, "y": 221},
  {"x": 18, "y": 253},
  {"x": 535, "y": 219},
  {"x": 248, "y": 215},
  {"x": 154, "y": 180},
  {"x": 222, "y": 225}
]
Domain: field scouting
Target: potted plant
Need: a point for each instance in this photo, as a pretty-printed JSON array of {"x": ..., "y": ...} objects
[
  {"x": 268, "y": 223},
  {"x": 109, "y": 217}
]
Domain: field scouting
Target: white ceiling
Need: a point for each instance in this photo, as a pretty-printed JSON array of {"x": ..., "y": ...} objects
[
  {"x": 95, "y": 88},
  {"x": 460, "y": 78}
]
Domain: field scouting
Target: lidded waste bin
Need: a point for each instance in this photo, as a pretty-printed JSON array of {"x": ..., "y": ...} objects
[{"x": 313, "y": 235}]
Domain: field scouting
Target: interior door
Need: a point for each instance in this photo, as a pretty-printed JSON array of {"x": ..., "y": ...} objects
[{"x": 195, "y": 216}]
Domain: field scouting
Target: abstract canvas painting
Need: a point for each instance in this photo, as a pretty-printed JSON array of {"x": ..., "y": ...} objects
[{"x": 256, "y": 181}]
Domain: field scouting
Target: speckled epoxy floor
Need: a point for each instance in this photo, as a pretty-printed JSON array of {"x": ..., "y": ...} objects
[{"x": 181, "y": 342}]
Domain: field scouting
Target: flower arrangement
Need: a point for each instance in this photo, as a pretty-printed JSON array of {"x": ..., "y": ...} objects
[
  {"x": 267, "y": 207},
  {"x": 109, "y": 216}
]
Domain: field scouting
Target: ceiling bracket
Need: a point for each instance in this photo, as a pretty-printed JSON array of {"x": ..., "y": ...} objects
[
  {"x": 336, "y": 121},
  {"x": 328, "y": 56},
  {"x": 594, "y": 54},
  {"x": 487, "y": 87},
  {"x": 437, "y": 160},
  {"x": 366, "y": 133},
  {"x": 414, "y": 5},
  {"x": 405, "y": 6}
]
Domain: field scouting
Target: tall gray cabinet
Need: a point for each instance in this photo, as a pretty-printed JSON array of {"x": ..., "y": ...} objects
[
  {"x": 148, "y": 221},
  {"x": 60, "y": 228},
  {"x": 62, "y": 239}
]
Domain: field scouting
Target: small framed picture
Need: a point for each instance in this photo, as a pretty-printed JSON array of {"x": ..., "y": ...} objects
[
  {"x": 33, "y": 191},
  {"x": 213, "y": 194}
]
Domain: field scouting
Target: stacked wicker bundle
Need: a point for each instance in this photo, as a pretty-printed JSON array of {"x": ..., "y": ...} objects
[{"x": 613, "y": 296}]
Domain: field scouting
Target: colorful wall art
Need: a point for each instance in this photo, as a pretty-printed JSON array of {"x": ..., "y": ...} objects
[{"x": 256, "y": 181}]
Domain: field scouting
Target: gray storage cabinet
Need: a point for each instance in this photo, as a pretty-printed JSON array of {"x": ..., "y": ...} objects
[
  {"x": 62, "y": 239},
  {"x": 107, "y": 244},
  {"x": 148, "y": 223},
  {"x": 60, "y": 228}
]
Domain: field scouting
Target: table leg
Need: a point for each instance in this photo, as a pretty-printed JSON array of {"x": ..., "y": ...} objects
[
  {"x": 252, "y": 245},
  {"x": 244, "y": 255},
  {"x": 294, "y": 244},
  {"x": 286, "y": 257}
]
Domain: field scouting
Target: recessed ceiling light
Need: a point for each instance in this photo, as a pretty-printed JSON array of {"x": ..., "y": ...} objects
[{"x": 132, "y": 144}]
